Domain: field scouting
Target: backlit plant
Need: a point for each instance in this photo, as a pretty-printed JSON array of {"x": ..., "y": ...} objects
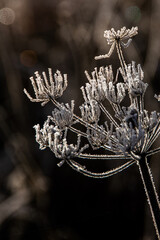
[{"x": 127, "y": 134}]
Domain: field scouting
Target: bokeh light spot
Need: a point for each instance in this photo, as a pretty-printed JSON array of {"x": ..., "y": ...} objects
[
  {"x": 28, "y": 58},
  {"x": 7, "y": 16},
  {"x": 133, "y": 14}
]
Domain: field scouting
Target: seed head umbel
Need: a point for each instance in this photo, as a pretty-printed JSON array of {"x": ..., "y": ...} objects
[
  {"x": 113, "y": 118},
  {"x": 115, "y": 38}
]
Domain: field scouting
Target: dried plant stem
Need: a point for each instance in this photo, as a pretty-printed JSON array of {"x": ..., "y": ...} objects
[
  {"x": 120, "y": 56},
  {"x": 151, "y": 193},
  {"x": 129, "y": 133}
]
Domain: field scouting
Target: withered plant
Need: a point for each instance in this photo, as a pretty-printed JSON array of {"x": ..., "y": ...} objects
[{"x": 128, "y": 134}]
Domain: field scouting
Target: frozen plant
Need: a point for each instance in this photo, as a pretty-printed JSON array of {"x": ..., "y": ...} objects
[{"x": 128, "y": 134}]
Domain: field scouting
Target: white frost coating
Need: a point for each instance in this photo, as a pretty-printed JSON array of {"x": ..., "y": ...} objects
[{"x": 127, "y": 131}]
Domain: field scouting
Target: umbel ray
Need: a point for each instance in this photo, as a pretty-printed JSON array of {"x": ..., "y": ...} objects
[{"x": 128, "y": 134}]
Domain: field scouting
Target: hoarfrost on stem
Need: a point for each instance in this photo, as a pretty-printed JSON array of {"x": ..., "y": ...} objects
[
  {"x": 127, "y": 135},
  {"x": 129, "y": 132}
]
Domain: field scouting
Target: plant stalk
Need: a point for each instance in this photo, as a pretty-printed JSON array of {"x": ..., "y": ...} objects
[
  {"x": 150, "y": 190},
  {"x": 121, "y": 58}
]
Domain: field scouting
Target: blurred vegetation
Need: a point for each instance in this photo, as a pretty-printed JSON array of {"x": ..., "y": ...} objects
[{"x": 38, "y": 200}]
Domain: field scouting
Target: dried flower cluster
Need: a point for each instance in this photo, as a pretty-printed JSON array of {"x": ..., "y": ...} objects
[
  {"x": 128, "y": 134},
  {"x": 115, "y": 38},
  {"x": 44, "y": 88}
]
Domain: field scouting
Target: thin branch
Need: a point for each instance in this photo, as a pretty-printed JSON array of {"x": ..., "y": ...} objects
[
  {"x": 77, "y": 131},
  {"x": 154, "y": 151},
  {"x": 107, "y": 147},
  {"x": 80, "y": 120},
  {"x": 104, "y": 157},
  {"x": 108, "y": 54},
  {"x": 154, "y": 136},
  {"x": 151, "y": 193},
  {"x": 120, "y": 56},
  {"x": 108, "y": 115},
  {"x": 79, "y": 168}
]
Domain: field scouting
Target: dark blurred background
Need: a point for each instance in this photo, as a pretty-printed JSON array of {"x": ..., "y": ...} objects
[{"x": 38, "y": 200}]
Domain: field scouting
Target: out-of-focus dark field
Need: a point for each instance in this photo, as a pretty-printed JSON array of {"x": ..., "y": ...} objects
[{"x": 38, "y": 200}]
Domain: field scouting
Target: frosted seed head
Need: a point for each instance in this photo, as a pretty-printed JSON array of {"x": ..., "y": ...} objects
[
  {"x": 66, "y": 151},
  {"x": 45, "y": 88},
  {"x": 96, "y": 138},
  {"x": 122, "y": 34},
  {"x": 133, "y": 79},
  {"x": 113, "y": 37},
  {"x": 132, "y": 118},
  {"x": 90, "y": 111},
  {"x": 63, "y": 117},
  {"x": 115, "y": 92}
]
